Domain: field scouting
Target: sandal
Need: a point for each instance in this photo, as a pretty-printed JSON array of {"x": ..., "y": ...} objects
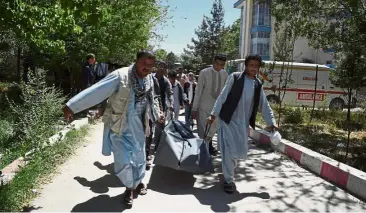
[
  {"x": 141, "y": 189},
  {"x": 229, "y": 187},
  {"x": 128, "y": 199},
  {"x": 148, "y": 166}
]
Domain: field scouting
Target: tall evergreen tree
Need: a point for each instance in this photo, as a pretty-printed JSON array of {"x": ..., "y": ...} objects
[
  {"x": 171, "y": 58},
  {"x": 209, "y": 35},
  {"x": 200, "y": 45},
  {"x": 216, "y": 27}
]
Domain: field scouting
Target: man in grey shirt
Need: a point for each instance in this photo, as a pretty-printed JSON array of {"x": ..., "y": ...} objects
[{"x": 166, "y": 95}]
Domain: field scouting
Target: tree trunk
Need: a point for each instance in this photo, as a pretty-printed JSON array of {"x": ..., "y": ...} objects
[
  {"x": 279, "y": 94},
  {"x": 348, "y": 122},
  {"x": 18, "y": 77},
  {"x": 316, "y": 84}
]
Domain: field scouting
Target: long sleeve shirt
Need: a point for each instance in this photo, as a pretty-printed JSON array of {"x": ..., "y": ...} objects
[
  {"x": 245, "y": 106},
  {"x": 95, "y": 94},
  {"x": 209, "y": 85},
  {"x": 166, "y": 92}
]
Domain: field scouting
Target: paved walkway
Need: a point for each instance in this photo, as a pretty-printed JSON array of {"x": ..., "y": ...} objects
[{"x": 266, "y": 182}]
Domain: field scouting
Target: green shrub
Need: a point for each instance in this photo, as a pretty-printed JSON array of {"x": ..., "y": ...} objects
[
  {"x": 6, "y": 133},
  {"x": 8, "y": 91},
  {"x": 37, "y": 114},
  {"x": 294, "y": 116}
]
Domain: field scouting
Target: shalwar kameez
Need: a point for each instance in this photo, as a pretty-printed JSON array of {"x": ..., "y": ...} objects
[
  {"x": 233, "y": 136},
  {"x": 131, "y": 104},
  {"x": 209, "y": 85}
]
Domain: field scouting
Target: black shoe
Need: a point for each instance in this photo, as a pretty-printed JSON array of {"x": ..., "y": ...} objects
[
  {"x": 141, "y": 189},
  {"x": 148, "y": 165},
  {"x": 128, "y": 198},
  {"x": 213, "y": 151},
  {"x": 229, "y": 187}
]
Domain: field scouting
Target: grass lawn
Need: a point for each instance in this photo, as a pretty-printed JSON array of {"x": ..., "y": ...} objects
[
  {"x": 325, "y": 134},
  {"x": 16, "y": 195}
]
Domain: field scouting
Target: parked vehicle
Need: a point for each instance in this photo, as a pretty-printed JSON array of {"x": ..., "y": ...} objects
[{"x": 298, "y": 82}]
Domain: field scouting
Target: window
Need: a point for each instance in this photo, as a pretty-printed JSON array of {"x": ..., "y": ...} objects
[
  {"x": 262, "y": 13},
  {"x": 260, "y": 43},
  {"x": 261, "y": 35}
]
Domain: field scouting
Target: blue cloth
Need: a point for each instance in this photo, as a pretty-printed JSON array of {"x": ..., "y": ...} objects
[
  {"x": 187, "y": 114},
  {"x": 233, "y": 137},
  {"x": 141, "y": 82},
  {"x": 129, "y": 148},
  {"x": 93, "y": 96}
]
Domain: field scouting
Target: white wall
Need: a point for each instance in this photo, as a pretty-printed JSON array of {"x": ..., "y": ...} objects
[{"x": 302, "y": 50}]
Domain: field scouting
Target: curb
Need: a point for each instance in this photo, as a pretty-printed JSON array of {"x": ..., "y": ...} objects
[
  {"x": 9, "y": 172},
  {"x": 340, "y": 174}
]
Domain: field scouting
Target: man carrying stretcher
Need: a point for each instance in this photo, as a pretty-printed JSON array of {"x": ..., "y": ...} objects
[
  {"x": 131, "y": 104},
  {"x": 237, "y": 107}
]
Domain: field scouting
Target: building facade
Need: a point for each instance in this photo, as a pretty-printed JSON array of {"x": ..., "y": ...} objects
[{"x": 257, "y": 35}]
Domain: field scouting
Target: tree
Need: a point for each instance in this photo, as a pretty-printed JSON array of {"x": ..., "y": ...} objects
[
  {"x": 171, "y": 58},
  {"x": 216, "y": 26},
  {"x": 283, "y": 49},
  {"x": 190, "y": 62},
  {"x": 161, "y": 54},
  {"x": 209, "y": 35},
  {"x": 231, "y": 40},
  {"x": 200, "y": 46},
  {"x": 332, "y": 24},
  {"x": 117, "y": 35},
  {"x": 350, "y": 74},
  {"x": 57, "y": 35},
  {"x": 284, "y": 44},
  {"x": 37, "y": 26}
]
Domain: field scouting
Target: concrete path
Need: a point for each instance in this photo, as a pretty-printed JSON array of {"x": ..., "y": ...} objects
[{"x": 267, "y": 182}]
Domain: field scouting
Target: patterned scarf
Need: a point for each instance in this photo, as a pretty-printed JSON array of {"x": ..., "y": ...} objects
[{"x": 140, "y": 93}]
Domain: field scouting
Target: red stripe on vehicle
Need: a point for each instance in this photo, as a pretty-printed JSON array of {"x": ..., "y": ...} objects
[{"x": 308, "y": 90}]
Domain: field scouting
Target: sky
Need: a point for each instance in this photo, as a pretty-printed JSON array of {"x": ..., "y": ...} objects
[{"x": 186, "y": 17}]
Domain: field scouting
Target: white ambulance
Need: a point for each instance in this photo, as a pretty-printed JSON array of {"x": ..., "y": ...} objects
[{"x": 300, "y": 87}]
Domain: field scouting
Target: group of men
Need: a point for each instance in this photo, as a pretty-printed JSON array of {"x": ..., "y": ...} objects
[{"x": 139, "y": 100}]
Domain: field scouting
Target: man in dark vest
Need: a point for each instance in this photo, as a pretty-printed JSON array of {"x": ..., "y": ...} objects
[{"x": 236, "y": 108}]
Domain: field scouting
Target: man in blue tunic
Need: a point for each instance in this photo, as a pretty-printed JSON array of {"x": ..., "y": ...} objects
[
  {"x": 126, "y": 119},
  {"x": 237, "y": 106}
]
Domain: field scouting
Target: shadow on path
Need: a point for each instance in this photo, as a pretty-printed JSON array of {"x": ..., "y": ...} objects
[
  {"x": 30, "y": 208},
  {"x": 172, "y": 182},
  {"x": 101, "y": 203},
  {"x": 292, "y": 188},
  {"x": 101, "y": 185}
]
